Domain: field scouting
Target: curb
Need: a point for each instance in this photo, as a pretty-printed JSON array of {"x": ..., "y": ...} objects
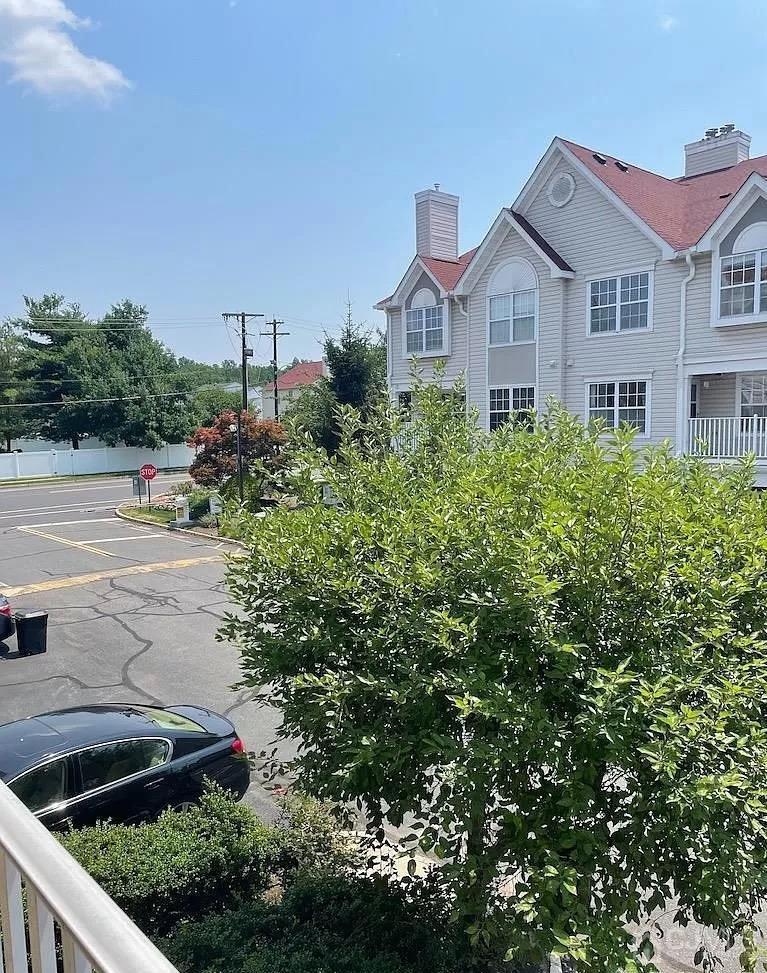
[{"x": 172, "y": 527}]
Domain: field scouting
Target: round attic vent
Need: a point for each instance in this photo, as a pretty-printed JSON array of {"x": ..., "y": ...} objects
[{"x": 561, "y": 189}]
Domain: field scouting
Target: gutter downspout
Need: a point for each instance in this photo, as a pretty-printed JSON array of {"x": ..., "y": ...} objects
[
  {"x": 682, "y": 405},
  {"x": 467, "y": 373}
]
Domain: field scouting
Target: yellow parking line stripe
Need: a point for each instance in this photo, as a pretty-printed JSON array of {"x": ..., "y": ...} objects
[
  {"x": 65, "y": 540},
  {"x": 83, "y": 579}
]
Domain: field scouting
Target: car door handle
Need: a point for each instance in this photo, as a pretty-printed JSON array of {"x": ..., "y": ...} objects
[{"x": 153, "y": 784}]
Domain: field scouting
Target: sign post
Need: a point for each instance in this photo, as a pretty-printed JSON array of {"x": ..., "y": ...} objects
[
  {"x": 139, "y": 488},
  {"x": 148, "y": 472}
]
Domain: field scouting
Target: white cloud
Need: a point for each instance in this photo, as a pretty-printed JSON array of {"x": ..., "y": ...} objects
[
  {"x": 667, "y": 22},
  {"x": 42, "y": 55}
]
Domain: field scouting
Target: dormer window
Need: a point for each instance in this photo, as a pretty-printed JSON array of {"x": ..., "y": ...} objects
[
  {"x": 425, "y": 325},
  {"x": 424, "y": 330},
  {"x": 738, "y": 293}
]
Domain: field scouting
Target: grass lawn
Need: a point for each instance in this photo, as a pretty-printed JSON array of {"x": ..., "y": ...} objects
[{"x": 145, "y": 512}]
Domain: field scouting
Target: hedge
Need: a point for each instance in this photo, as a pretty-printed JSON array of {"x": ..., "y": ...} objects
[
  {"x": 186, "y": 863},
  {"x": 324, "y": 924}
]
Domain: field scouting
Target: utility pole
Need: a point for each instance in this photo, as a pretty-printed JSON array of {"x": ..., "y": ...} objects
[
  {"x": 275, "y": 334},
  {"x": 242, "y": 317}
]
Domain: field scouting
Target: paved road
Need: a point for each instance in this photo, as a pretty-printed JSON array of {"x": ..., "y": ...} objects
[{"x": 133, "y": 609}]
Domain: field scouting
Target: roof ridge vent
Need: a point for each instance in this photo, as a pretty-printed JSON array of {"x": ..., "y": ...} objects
[{"x": 600, "y": 159}]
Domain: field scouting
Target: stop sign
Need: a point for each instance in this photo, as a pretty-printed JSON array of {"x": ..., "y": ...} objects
[{"x": 148, "y": 471}]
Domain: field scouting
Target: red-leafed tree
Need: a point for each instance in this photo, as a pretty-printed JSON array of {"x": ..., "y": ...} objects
[{"x": 216, "y": 445}]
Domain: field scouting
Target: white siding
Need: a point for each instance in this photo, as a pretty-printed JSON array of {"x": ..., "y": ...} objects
[
  {"x": 591, "y": 235},
  {"x": 719, "y": 398},
  {"x": 705, "y": 343},
  {"x": 548, "y": 310},
  {"x": 436, "y": 223},
  {"x": 455, "y": 361},
  {"x": 598, "y": 241}
]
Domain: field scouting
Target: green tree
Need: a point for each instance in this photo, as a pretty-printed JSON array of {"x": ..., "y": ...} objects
[
  {"x": 15, "y": 422},
  {"x": 544, "y": 650},
  {"x": 357, "y": 366},
  {"x": 109, "y": 378},
  {"x": 210, "y": 402}
]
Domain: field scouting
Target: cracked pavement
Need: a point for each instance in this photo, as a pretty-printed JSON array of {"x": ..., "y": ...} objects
[{"x": 146, "y": 637}]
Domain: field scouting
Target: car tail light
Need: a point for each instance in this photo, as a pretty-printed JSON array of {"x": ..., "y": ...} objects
[
  {"x": 5, "y": 608},
  {"x": 238, "y": 746}
]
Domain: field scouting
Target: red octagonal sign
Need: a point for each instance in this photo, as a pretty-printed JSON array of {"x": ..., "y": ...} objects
[{"x": 148, "y": 471}]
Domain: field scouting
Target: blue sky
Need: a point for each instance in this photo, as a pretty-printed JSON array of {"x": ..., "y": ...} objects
[{"x": 210, "y": 155}]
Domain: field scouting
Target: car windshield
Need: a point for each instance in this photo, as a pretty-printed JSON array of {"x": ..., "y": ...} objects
[{"x": 166, "y": 720}]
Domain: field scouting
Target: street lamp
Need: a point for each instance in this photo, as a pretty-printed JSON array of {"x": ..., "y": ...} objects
[{"x": 238, "y": 429}]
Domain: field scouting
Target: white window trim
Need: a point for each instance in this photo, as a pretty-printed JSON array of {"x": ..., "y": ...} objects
[
  {"x": 512, "y": 344},
  {"x": 442, "y": 352},
  {"x": 602, "y": 379},
  {"x": 733, "y": 320},
  {"x": 650, "y": 271},
  {"x": 739, "y": 388},
  {"x": 510, "y": 389}
]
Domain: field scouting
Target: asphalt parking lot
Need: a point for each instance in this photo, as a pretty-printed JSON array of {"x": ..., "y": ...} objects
[{"x": 133, "y": 610}]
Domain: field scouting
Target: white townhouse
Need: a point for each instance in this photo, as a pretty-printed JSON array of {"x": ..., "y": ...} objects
[{"x": 622, "y": 293}]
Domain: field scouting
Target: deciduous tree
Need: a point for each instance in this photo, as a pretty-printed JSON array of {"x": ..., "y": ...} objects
[
  {"x": 216, "y": 445},
  {"x": 545, "y": 651}
]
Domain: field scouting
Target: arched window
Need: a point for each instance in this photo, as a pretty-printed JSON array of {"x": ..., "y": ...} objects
[
  {"x": 425, "y": 332},
  {"x": 512, "y": 303},
  {"x": 743, "y": 275}
]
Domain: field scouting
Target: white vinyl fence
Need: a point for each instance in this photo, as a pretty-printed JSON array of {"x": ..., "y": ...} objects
[{"x": 73, "y": 462}]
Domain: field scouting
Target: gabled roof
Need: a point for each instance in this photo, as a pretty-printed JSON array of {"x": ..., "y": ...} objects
[
  {"x": 679, "y": 210},
  {"x": 305, "y": 373},
  {"x": 448, "y": 272},
  {"x": 535, "y": 237}
]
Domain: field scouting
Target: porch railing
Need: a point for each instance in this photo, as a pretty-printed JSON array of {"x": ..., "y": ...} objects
[
  {"x": 728, "y": 437},
  {"x": 49, "y": 905}
]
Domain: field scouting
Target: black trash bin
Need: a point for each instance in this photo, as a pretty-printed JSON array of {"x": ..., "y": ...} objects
[{"x": 32, "y": 632}]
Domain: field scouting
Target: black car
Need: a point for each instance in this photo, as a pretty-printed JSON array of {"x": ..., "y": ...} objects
[
  {"x": 121, "y": 762},
  {"x": 7, "y": 627}
]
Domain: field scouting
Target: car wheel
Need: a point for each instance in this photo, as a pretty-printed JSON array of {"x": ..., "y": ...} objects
[{"x": 184, "y": 805}]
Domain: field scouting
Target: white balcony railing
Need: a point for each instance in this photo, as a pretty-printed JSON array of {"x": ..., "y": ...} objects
[
  {"x": 728, "y": 437},
  {"x": 65, "y": 912}
]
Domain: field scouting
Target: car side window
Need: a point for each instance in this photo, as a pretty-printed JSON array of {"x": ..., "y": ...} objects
[
  {"x": 44, "y": 786},
  {"x": 113, "y": 762}
]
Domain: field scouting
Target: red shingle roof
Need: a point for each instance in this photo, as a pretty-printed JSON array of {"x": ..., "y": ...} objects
[
  {"x": 448, "y": 272},
  {"x": 679, "y": 210},
  {"x": 305, "y": 373}
]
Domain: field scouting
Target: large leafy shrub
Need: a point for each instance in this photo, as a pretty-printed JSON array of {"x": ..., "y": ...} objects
[
  {"x": 543, "y": 648},
  {"x": 324, "y": 924},
  {"x": 184, "y": 864}
]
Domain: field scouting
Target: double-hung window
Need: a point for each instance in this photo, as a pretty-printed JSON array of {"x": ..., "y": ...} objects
[
  {"x": 753, "y": 395},
  {"x": 619, "y": 403},
  {"x": 619, "y": 303},
  {"x": 517, "y": 402},
  {"x": 738, "y": 280},
  {"x": 512, "y": 318},
  {"x": 425, "y": 333}
]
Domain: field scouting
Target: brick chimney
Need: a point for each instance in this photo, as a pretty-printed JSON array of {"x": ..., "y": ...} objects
[
  {"x": 720, "y": 148},
  {"x": 436, "y": 224}
]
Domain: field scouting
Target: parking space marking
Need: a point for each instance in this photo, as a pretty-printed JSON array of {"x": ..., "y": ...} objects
[
  {"x": 68, "y": 523},
  {"x": 67, "y": 508},
  {"x": 115, "y": 540},
  {"x": 65, "y": 541},
  {"x": 84, "y": 579}
]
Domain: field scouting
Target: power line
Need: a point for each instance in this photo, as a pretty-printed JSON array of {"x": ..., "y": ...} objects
[
  {"x": 274, "y": 324},
  {"x": 120, "y": 398}
]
